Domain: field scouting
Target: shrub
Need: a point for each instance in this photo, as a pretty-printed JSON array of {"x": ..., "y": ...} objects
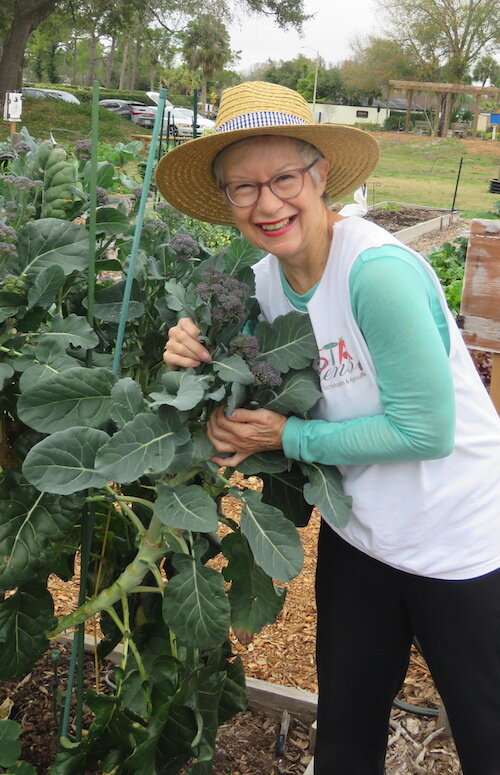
[{"x": 448, "y": 262}]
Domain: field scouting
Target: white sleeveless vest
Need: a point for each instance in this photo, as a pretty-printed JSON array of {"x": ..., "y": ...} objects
[{"x": 437, "y": 518}]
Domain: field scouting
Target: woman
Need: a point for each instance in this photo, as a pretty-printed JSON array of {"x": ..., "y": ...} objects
[{"x": 403, "y": 415}]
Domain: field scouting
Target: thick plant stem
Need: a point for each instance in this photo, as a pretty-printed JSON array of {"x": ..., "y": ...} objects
[{"x": 151, "y": 549}]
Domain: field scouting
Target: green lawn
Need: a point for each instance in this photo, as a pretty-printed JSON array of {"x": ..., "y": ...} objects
[
  {"x": 69, "y": 122},
  {"x": 424, "y": 171}
]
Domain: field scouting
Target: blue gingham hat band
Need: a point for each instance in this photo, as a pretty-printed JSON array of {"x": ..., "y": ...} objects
[{"x": 261, "y": 118}]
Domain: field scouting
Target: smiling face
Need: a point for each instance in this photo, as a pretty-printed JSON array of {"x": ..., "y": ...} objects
[{"x": 295, "y": 229}]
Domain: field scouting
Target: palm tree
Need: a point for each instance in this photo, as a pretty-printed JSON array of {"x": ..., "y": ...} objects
[
  {"x": 206, "y": 46},
  {"x": 487, "y": 67}
]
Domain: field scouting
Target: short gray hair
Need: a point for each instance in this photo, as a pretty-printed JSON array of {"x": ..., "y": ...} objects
[{"x": 307, "y": 152}]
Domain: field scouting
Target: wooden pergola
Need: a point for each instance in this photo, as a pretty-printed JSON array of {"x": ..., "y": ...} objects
[{"x": 448, "y": 89}]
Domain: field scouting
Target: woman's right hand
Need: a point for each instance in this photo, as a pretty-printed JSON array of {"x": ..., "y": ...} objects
[{"x": 183, "y": 348}]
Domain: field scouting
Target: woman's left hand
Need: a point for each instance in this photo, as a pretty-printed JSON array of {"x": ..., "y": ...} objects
[{"x": 244, "y": 433}]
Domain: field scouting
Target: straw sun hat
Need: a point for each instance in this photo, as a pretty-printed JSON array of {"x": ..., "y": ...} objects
[{"x": 185, "y": 178}]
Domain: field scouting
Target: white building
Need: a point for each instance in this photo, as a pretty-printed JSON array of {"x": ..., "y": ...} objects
[{"x": 349, "y": 114}]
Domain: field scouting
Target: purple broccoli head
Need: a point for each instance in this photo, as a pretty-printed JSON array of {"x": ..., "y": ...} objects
[
  {"x": 226, "y": 296},
  {"x": 266, "y": 374},
  {"x": 246, "y": 346},
  {"x": 184, "y": 247}
]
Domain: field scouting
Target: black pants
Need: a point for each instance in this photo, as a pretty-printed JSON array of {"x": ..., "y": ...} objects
[{"x": 368, "y": 614}]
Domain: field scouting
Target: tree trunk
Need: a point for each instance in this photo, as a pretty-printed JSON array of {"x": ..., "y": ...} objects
[
  {"x": 52, "y": 64},
  {"x": 28, "y": 14},
  {"x": 203, "y": 92},
  {"x": 123, "y": 68},
  {"x": 92, "y": 59},
  {"x": 73, "y": 64},
  {"x": 133, "y": 74},
  {"x": 110, "y": 63}
]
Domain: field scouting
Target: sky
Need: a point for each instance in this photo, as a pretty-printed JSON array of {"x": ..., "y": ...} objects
[{"x": 329, "y": 32}]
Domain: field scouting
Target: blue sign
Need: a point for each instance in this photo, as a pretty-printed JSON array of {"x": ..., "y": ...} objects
[{"x": 494, "y": 118}]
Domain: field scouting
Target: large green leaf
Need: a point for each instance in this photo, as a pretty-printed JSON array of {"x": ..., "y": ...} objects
[
  {"x": 236, "y": 398},
  {"x": 298, "y": 393},
  {"x": 6, "y": 372},
  {"x": 24, "y": 618},
  {"x": 47, "y": 284},
  {"x": 241, "y": 254},
  {"x": 21, "y": 768},
  {"x": 210, "y": 687},
  {"x": 110, "y": 221},
  {"x": 233, "y": 368},
  {"x": 109, "y": 302},
  {"x": 288, "y": 341},
  {"x": 253, "y": 597},
  {"x": 78, "y": 396},
  {"x": 52, "y": 360},
  {"x": 31, "y": 521},
  {"x": 127, "y": 401},
  {"x": 194, "y": 604},
  {"x": 174, "y": 726},
  {"x": 146, "y": 444},
  {"x": 270, "y": 462},
  {"x": 52, "y": 241},
  {"x": 234, "y": 695},
  {"x": 111, "y": 734},
  {"x": 73, "y": 330},
  {"x": 10, "y": 747},
  {"x": 181, "y": 389},
  {"x": 105, "y": 174},
  {"x": 64, "y": 463},
  {"x": 285, "y": 490},
  {"x": 187, "y": 507},
  {"x": 179, "y": 299},
  {"x": 273, "y": 539},
  {"x": 10, "y": 304},
  {"x": 324, "y": 490}
]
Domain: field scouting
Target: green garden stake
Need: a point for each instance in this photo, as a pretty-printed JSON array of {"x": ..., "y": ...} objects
[
  {"x": 137, "y": 233},
  {"x": 77, "y": 648}
]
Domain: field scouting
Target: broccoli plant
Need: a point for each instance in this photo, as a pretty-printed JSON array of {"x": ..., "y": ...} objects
[{"x": 131, "y": 449}]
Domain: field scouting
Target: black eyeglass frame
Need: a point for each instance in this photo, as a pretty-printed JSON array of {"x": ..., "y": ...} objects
[{"x": 269, "y": 184}]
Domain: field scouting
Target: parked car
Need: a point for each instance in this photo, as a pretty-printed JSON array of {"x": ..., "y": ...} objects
[
  {"x": 181, "y": 121},
  {"x": 138, "y": 112},
  {"x": 55, "y": 94},
  {"x": 204, "y": 123},
  {"x": 154, "y": 96}
]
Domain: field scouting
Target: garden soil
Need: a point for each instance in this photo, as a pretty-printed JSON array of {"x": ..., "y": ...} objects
[
  {"x": 394, "y": 220},
  {"x": 282, "y": 653}
]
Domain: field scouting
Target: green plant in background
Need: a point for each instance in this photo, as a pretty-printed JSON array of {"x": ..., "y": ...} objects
[
  {"x": 448, "y": 262},
  {"x": 131, "y": 450},
  {"x": 212, "y": 236}
]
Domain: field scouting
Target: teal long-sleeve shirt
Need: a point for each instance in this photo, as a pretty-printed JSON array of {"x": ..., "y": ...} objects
[{"x": 397, "y": 309}]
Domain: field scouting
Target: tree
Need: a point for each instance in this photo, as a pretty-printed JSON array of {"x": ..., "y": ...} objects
[
  {"x": 445, "y": 35},
  {"x": 25, "y": 16},
  {"x": 487, "y": 68},
  {"x": 106, "y": 17},
  {"x": 329, "y": 87},
  {"x": 205, "y": 46},
  {"x": 288, "y": 72},
  {"x": 375, "y": 62}
]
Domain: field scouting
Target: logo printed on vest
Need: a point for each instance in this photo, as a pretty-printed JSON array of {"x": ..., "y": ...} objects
[{"x": 336, "y": 367}]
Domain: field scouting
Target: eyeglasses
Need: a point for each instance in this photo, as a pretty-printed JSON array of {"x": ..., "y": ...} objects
[{"x": 286, "y": 185}]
